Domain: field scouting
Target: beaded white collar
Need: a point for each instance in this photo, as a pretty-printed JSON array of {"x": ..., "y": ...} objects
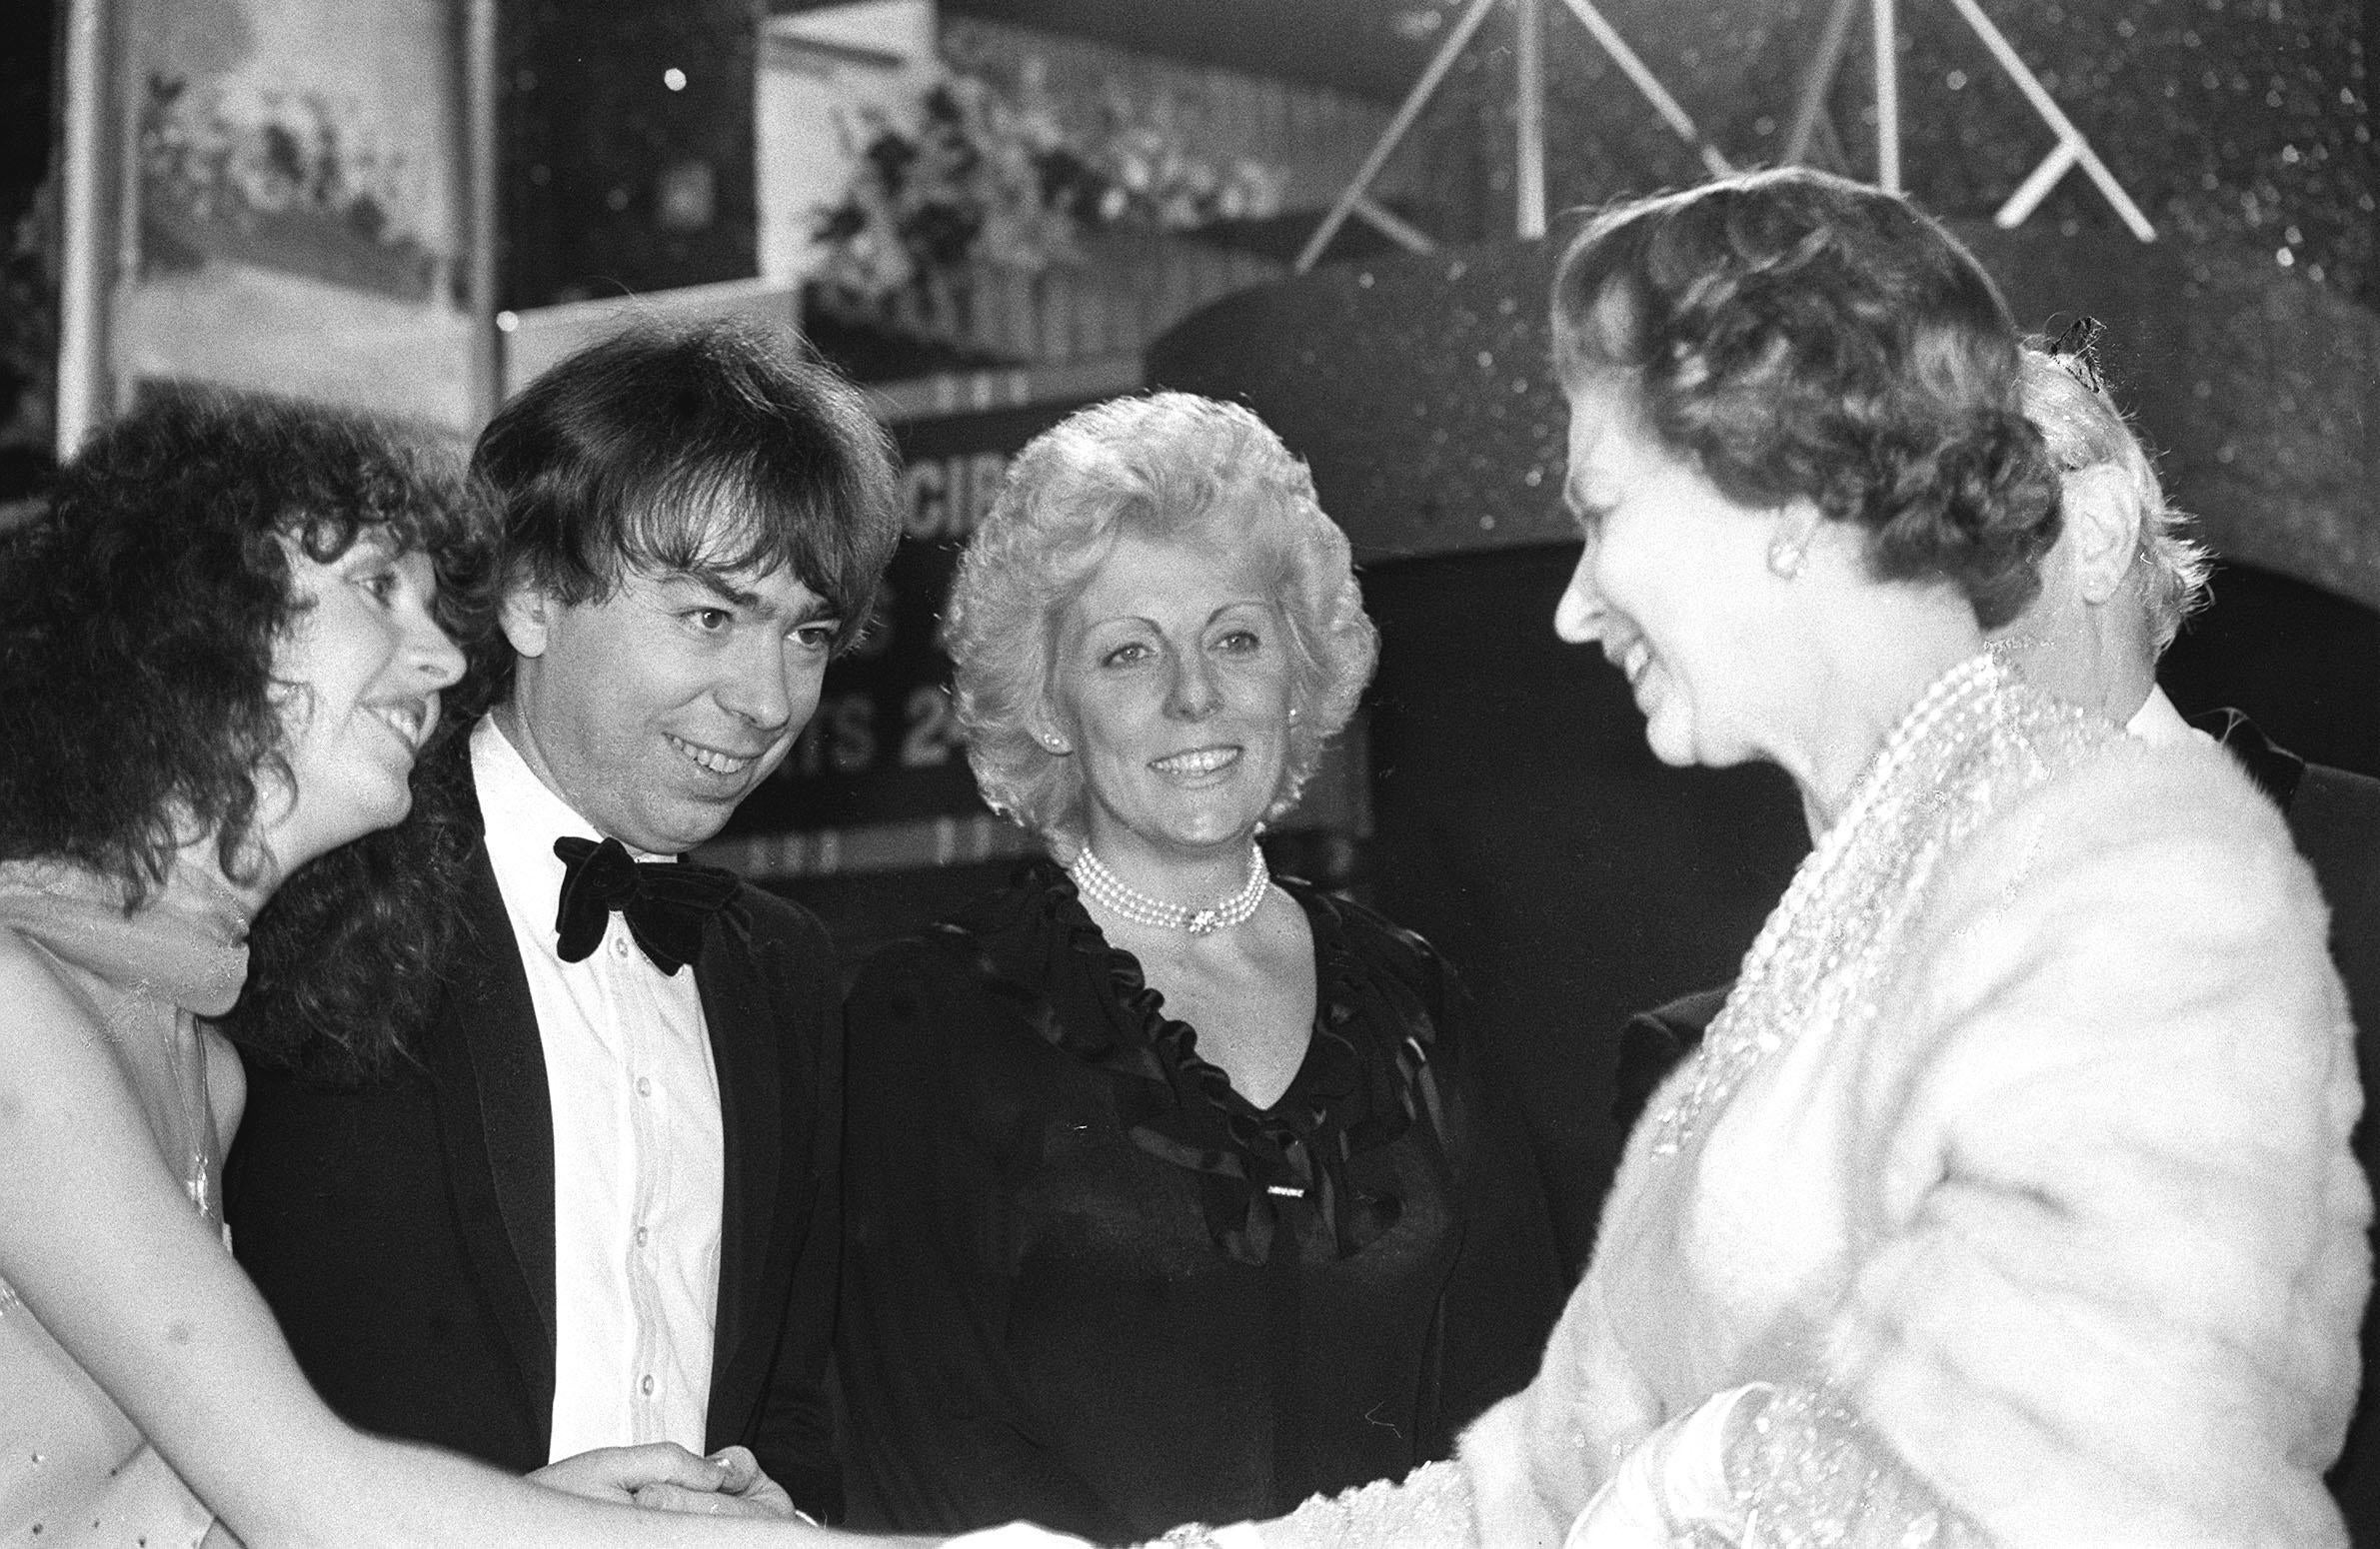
[{"x": 1976, "y": 740}]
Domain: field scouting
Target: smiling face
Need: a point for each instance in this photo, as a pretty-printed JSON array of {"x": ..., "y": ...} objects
[
  {"x": 1172, "y": 685},
  {"x": 357, "y": 673},
  {"x": 1675, "y": 584},
  {"x": 655, "y": 710}
]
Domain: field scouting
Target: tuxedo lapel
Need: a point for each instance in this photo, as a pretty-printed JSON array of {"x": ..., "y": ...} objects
[
  {"x": 744, "y": 1055},
  {"x": 497, "y": 1123}
]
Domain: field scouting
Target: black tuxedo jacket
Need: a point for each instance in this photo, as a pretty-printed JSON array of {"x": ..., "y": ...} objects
[
  {"x": 404, "y": 1232},
  {"x": 2334, "y": 817}
]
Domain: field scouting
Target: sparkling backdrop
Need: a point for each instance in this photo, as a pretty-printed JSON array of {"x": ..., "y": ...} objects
[{"x": 2235, "y": 123}]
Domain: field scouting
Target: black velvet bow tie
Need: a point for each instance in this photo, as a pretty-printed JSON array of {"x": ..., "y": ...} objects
[{"x": 664, "y": 901}]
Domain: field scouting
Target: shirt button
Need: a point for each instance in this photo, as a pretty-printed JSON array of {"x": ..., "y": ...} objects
[
  {"x": 647, "y": 1385},
  {"x": 644, "y": 1087},
  {"x": 642, "y": 1235},
  {"x": 620, "y": 947}
]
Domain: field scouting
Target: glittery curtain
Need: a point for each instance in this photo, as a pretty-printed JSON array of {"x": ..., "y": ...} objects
[{"x": 2240, "y": 123}]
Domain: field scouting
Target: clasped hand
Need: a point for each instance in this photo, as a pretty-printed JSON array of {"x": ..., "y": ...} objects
[{"x": 665, "y": 1477}]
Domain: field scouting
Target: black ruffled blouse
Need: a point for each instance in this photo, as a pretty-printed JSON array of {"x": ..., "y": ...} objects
[{"x": 1089, "y": 1285}]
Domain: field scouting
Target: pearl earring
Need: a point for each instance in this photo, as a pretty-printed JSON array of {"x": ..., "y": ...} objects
[{"x": 1785, "y": 559}]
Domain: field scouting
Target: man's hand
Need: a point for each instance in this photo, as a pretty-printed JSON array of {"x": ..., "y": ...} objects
[
  {"x": 743, "y": 1491},
  {"x": 623, "y": 1475}
]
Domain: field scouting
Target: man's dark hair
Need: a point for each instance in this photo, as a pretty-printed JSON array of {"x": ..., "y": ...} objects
[{"x": 702, "y": 451}]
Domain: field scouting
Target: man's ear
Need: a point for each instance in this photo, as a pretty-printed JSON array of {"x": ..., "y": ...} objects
[
  {"x": 525, "y": 616},
  {"x": 2103, "y": 520}
]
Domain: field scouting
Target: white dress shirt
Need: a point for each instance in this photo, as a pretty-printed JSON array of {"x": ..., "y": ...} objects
[
  {"x": 639, "y": 1173},
  {"x": 2159, "y": 723}
]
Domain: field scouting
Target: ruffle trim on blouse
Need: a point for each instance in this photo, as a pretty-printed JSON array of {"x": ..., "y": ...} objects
[{"x": 1261, "y": 1168}]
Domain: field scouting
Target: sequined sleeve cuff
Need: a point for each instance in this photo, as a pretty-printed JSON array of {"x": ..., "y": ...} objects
[
  {"x": 1767, "y": 1467},
  {"x": 1430, "y": 1508},
  {"x": 1807, "y": 1471}
]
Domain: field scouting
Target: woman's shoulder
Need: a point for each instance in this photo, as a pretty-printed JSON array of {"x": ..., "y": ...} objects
[
  {"x": 2163, "y": 847},
  {"x": 1023, "y": 906},
  {"x": 1365, "y": 930},
  {"x": 53, "y": 1038},
  {"x": 1001, "y": 938},
  {"x": 28, "y": 969},
  {"x": 1383, "y": 985},
  {"x": 2142, "y": 904},
  {"x": 40, "y": 973},
  {"x": 2178, "y": 823}
]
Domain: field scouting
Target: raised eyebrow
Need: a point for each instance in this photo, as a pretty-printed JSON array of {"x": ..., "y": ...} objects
[{"x": 734, "y": 596}]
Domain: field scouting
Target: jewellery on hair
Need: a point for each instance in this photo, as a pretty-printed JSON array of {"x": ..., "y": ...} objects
[
  {"x": 1785, "y": 559},
  {"x": 1107, "y": 889},
  {"x": 2073, "y": 350},
  {"x": 1053, "y": 741}
]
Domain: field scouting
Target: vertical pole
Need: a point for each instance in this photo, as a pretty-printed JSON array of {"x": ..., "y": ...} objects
[
  {"x": 1814, "y": 86},
  {"x": 1887, "y": 99},
  {"x": 480, "y": 156},
  {"x": 88, "y": 247},
  {"x": 1529, "y": 97}
]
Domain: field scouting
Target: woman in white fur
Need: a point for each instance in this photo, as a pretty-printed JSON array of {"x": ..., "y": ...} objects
[{"x": 2009, "y": 1199}]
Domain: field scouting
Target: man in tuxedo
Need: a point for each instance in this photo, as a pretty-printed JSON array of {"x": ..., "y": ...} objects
[
  {"x": 2114, "y": 592},
  {"x": 595, "y": 1206}
]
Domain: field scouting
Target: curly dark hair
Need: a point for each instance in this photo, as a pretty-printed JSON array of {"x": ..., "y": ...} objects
[
  {"x": 139, "y": 612},
  {"x": 344, "y": 962},
  {"x": 141, "y": 609},
  {"x": 1795, "y": 334}
]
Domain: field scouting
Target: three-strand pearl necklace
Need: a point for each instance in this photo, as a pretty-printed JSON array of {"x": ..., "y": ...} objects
[{"x": 1107, "y": 889}]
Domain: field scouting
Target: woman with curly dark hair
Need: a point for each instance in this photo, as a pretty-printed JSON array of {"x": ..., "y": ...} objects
[
  {"x": 221, "y": 651},
  {"x": 2008, "y": 1199}
]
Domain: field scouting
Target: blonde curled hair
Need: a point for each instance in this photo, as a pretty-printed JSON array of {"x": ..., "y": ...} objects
[{"x": 1168, "y": 466}]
